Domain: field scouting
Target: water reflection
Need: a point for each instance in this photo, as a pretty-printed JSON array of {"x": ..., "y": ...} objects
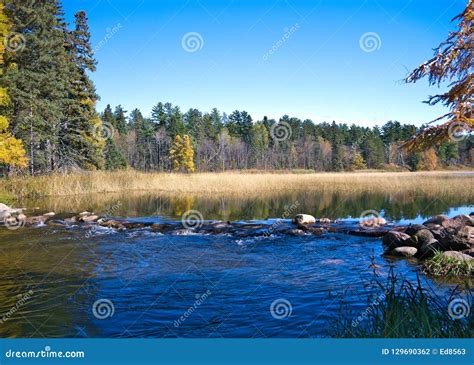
[{"x": 395, "y": 206}]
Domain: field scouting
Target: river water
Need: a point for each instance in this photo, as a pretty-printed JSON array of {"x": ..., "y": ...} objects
[{"x": 98, "y": 282}]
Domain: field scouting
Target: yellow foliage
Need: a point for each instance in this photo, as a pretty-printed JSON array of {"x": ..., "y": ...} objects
[
  {"x": 182, "y": 154},
  {"x": 11, "y": 151}
]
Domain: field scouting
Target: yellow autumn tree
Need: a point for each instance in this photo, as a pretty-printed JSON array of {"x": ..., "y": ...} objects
[
  {"x": 182, "y": 154},
  {"x": 188, "y": 154},
  {"x": 12, "y": 152}
]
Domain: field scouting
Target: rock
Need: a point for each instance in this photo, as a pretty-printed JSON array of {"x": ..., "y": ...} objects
[
  {"x": 85, "y": 213},
  {"x": 437, "y": 219},
  {"x": 56, "y": 223},
  {"x": 428, "y": 249},
  {"x": 304, "y": 219},
  {"x": 413, "y": 228},
  {"x": 111, "y": 224},
  {"x": 35, "y": 220},
  {"x": 458, "y": 222},
  {"x": 49, "y": 214},
  {"x": 457, "y": 256},
  {"x": 324, "y": 220},
  {"x": 373, "y": 222},
  {"x": 4, "y": 207},
  {"x": 420, "y": 238},
  {"x": 457, "y": 240},
  {"x": 133, "y": 225},
  {"x": 21, "y": 217},
  {"x": 395, "y": 239},
  {"x": 469, "y": 252},
  {"x": 296, "y": 232},
  {"x": 404, "y": 251},
  {"x": 88, "y": 218}
]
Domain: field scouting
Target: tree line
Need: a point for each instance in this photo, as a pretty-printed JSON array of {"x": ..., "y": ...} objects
[
  {"x": 221, "y": 141},
  {"x": 49, "y": 122}
]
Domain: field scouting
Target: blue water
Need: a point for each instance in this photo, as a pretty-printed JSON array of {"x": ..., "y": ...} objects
[{"x": 156, "y": 285}]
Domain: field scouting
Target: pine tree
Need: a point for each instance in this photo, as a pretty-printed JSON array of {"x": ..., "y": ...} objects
[
  {"x": 38, "y": 80},
  {"x": 12, "y": 152},
  {"x": 82, "y": 133},
  {"x": 358, "y": 162},
  {"x": 452, "y": 62}
]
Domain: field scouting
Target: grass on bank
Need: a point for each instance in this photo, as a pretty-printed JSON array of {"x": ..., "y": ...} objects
[
  {"x": 407, "y": 310},
  {"x": 235, "y": 183},
  {"x": 443, "y": 266}
]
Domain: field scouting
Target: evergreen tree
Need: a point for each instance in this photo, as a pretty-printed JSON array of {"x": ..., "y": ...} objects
[
  {"x": 120, "y": 120},
  {"x": 176, "y": 152}
]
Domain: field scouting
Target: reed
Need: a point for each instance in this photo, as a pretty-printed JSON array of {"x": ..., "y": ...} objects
[{"x": 237, "y": 183}]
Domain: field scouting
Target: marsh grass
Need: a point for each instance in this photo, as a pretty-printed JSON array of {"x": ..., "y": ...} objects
[
  {"x": 407, "y": 311},
  {"x": 237, "y": 183},
  {"x": 443, "y": 266}
]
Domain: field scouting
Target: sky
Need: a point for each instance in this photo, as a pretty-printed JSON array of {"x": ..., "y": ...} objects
[{"x": 322, "y": 60}]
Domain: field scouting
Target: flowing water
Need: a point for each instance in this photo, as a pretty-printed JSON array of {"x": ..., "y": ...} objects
[{"x": 98, "y": 282}]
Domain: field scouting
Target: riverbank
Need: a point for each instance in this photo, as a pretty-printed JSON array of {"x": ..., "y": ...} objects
[{"x": 237, "y": 183}]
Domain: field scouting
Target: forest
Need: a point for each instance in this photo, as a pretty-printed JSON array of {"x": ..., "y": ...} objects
[{"x": 49, "y": 121}]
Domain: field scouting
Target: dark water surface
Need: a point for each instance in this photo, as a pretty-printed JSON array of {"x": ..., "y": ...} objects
[{"x": 152, "y": 285}]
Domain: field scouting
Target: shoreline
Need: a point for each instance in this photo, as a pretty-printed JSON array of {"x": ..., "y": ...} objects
[{"x": 235, "y": 183}]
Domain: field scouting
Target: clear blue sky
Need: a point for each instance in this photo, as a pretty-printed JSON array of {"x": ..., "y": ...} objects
[{"x": 319, "y": 71}]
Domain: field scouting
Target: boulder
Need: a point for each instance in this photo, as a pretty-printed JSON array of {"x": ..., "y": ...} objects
[
  {"x": 324, "y": 220},
  {"x": 457, "y": 240},
  {"x": 428, "y": 249},
  {"x": 437, "y": 219},
  {"x": 413, "y": 228},
  {"x": 421, "y": 237},
  {"x": 111, "y": 224},
  {"x": 4, "y": 207},
  {"x": 304, "y": 219},
  {"x": 395, "y": 239},
  {"x": 404, "y": 251},
  {"x": 88, "y": 218},
  {"x": 35, "y": 220},
  {"x": 458, "y": 222},
  {"x": 49, "y": 214},
  {"x": 457, "y": 256}
]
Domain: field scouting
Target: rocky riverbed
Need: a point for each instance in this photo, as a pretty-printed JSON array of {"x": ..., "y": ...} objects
[{"x": 454, "y": 237}]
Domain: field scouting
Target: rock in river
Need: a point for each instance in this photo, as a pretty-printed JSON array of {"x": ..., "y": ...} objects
[
  {"x": 404, "y": 251},
  {"x": 304, "y": 219}
]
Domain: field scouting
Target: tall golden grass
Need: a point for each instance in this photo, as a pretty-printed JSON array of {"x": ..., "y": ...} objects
[{"x": 237, "y": 183}]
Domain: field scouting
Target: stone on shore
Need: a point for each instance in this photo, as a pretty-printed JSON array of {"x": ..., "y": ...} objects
[{"x": 457, "y": 256}]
